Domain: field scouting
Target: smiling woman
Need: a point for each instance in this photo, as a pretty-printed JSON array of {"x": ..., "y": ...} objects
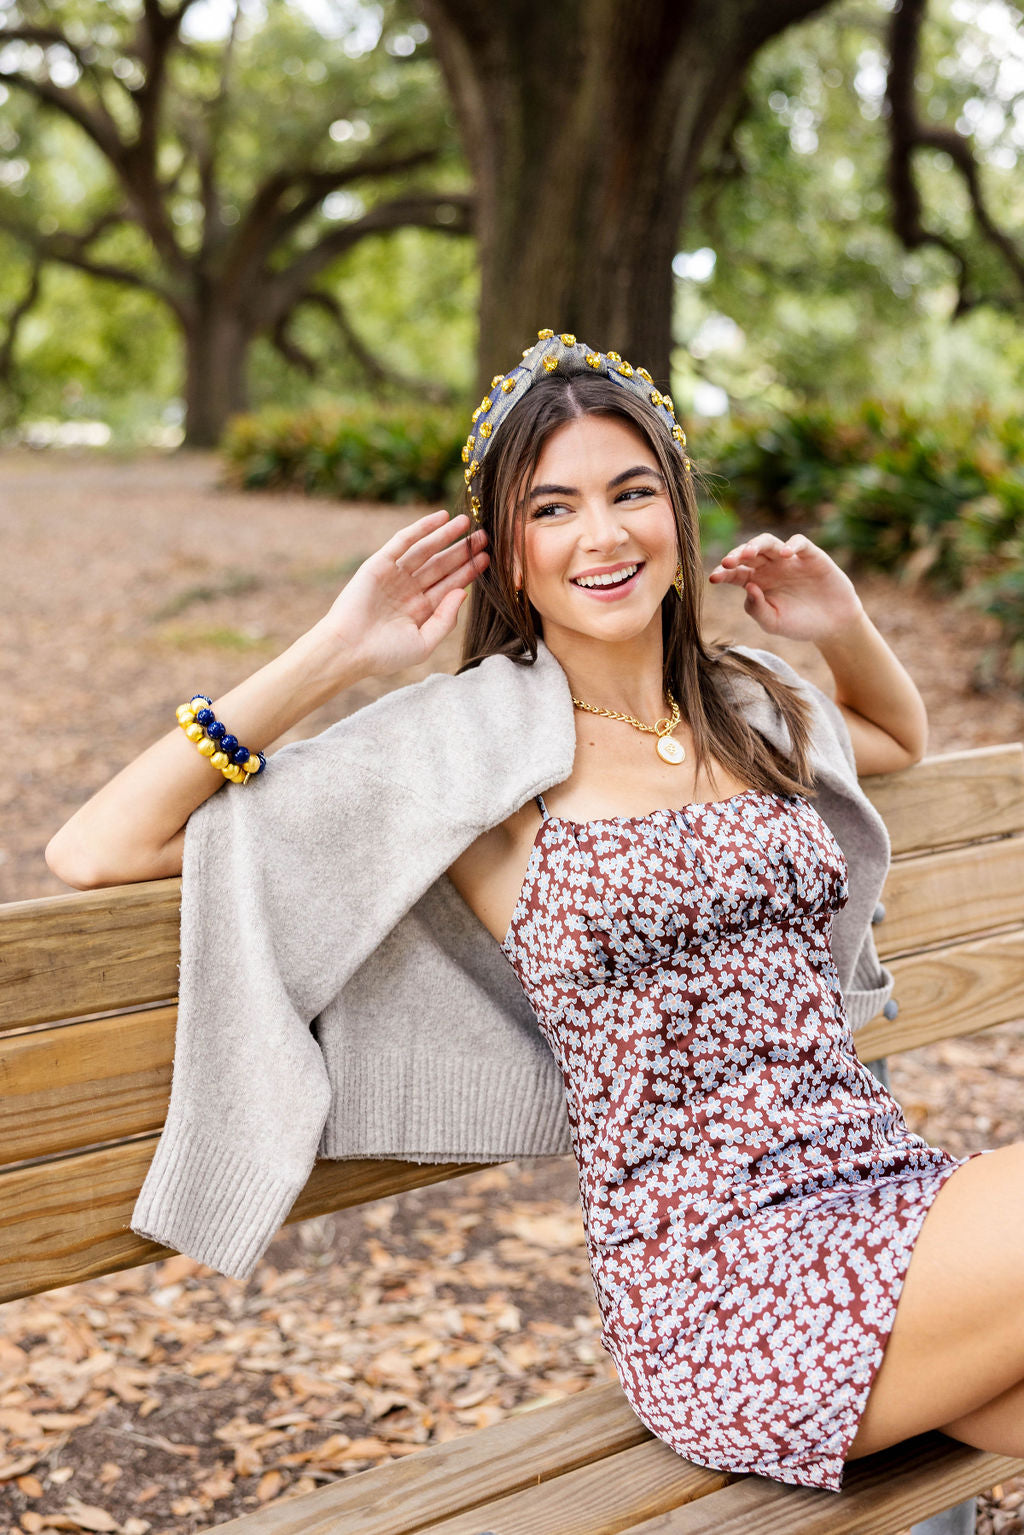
[{"x": 578, "y": 894}]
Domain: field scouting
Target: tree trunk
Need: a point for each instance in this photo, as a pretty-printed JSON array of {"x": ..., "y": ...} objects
[
  {"x": 217, "y": 341},
  {"x": 585, "y": 122}
]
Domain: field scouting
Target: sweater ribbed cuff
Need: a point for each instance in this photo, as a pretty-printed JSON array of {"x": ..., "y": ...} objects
[
  {"x": 428, "y": 1110},
  {"x": 865, "y": 1002},
  {"x": 212, "y": 1203}
]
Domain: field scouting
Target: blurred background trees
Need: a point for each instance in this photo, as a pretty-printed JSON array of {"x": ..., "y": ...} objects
[
  {"x": 219, "y": 177},
  {"x": 211, "y": 204}
]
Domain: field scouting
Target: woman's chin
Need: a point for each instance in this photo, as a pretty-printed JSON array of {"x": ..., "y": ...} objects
[{"x": 607, "y": 626}]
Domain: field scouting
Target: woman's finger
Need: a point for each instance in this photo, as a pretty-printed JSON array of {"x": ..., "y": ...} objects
[
  {"x": 417, "y": 562},
  {"x": 401, "y": 542},
  {"x": 446, "y": 560},
  {"x": 463, "y": 576},
  {"x": 442, "y": 621}
]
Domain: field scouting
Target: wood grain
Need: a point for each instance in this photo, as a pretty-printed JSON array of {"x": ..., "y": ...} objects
[
  {"x": 90, "y": 952},
  {"x": 932, "y": 898},
  {"x": 78, "y": 1084},
  {"x": 882, "y": 1494},
  {"x": 946, "y": 992},
  {"x": 68, "y": 1219},
  {"x": 507, "y": 1460},
  {"x": 954, "y": 797}
]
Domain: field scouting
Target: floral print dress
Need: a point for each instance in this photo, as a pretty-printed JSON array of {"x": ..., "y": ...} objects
[{"x": 751, "y": 1192}]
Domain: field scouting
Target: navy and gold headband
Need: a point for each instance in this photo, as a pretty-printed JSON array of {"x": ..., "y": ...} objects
[{"x": 565, "y": 355}]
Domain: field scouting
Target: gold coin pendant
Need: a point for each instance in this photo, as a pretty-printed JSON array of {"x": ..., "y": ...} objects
[{"x": 669, "y": 750}]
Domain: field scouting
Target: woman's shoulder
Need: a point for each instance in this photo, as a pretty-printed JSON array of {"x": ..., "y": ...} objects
[{"x": 477, "y": 737}]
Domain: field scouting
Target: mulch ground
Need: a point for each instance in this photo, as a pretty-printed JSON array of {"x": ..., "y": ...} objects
[{"x": 167, "y": 1399}]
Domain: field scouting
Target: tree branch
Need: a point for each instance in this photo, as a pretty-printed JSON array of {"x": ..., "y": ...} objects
[
  {"x": 906, "y": 134},
  {"x": 14, "y": 319},
  {"x": 267, "y": 222},
  {"x": 420, "y": 211},
  {"x": 377, "y": 372},
  {"x": 71, "y": 250},
  {"x": 99, "y": 125},
  {"x": 213, "y": 228},
  {"x": 133, "y": 162}
]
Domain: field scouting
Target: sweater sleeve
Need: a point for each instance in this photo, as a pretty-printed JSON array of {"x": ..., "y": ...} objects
[
  {"x": 249, "y": 1092},
  {"x": 288, "y": 885}
]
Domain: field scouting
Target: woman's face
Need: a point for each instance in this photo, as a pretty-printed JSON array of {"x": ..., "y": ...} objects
[{"x": 598, "y": 507}]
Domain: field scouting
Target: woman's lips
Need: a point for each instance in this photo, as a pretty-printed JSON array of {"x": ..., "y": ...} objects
[{"x": 610, "y": 593}]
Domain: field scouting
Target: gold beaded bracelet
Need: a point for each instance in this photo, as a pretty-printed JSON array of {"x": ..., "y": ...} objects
[{"x": 212, "y": 740}]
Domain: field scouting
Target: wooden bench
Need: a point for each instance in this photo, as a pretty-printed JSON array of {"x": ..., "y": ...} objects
[{"x": 87, "y": 1011}]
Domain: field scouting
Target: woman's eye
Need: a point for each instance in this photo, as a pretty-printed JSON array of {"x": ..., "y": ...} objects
[{"x": 642, "y": 492}]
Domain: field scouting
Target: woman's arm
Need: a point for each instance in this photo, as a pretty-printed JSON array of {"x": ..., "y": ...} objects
[
  {"x": 885, "y": 713},
  {"x": 394, "y": 611},
  {"x": 797, "y": 590}
]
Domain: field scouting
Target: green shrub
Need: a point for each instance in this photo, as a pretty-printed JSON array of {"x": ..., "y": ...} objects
[
  {"x": 353, "y": 452},
  {"x": 938, "y": 498},
  {"x": 379, "y": 453}
]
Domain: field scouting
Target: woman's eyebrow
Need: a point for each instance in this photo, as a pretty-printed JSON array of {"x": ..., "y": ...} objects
[{"x": 636, "y": 472}]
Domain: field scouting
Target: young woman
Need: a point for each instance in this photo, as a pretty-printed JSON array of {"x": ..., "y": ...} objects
[{"x": 788, "y": 1278}]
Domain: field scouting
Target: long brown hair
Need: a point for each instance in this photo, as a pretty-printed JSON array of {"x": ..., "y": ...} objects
[{"x": 696, "y": 672}]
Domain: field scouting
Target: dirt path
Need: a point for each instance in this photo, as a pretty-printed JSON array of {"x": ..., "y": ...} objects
[{"x": 169, "y": 1398}]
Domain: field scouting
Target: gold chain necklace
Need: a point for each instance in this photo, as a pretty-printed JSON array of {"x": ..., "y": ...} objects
[{"x": 668, "y": 749}]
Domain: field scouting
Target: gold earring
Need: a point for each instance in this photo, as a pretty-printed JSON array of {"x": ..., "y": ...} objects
[{"x": 677, "y": 580}]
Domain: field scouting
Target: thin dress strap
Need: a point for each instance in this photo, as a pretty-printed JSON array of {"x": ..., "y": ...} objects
[{"x": 541, "y": 805}]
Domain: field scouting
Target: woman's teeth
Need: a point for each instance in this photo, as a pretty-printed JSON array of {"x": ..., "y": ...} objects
[{"x": 615, "y": 579}]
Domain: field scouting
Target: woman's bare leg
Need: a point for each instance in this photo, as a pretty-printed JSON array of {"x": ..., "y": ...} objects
[
  {"x": 955, "y": 1356},
  {"x": 998, "y": 1426}
]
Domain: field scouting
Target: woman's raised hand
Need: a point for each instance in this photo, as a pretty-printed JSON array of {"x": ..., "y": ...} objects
[
  {"x": 793, "y": 589},
  {"x": 402, "y": 601}
]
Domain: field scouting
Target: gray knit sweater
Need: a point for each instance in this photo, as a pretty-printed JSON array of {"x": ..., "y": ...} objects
[{"x": 338, "y": 998}]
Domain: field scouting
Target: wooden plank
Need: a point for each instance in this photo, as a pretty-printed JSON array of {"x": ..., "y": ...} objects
[
  {"x": 64, "y": 956},
  {"x": 95, "y": 951},
  {"x": 594, "y": 1500},
  {"x": 944, "y": 993},
  {"x": 525, "y": 1450},
  {"x": 68, "y": 1219},
  {"x": 933, "y": 898},
  {"x": 882, "y": 1494},
  {"x": 952, "y": 797},
  {"x": 79, "y": 1084}
]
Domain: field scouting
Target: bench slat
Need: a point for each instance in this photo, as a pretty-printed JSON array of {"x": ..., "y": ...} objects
[
  {"x": 68, "y": 1220},
  {"x": 67, "y": 955},
  {"x": 80, "y": 1084},
  {"x": 954, "y": 797},
  {"x": 562, "y": 1466},
  {"x": 950, "y": 991},
  {"x": 882, "y": 1493},
  {"x": 600, "y": 1499},
  {"x": 98, "y": 950},
  {"x": 932, "y": 898}
]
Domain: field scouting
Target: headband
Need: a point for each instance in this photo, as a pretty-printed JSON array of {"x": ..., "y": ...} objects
[{"x": 564, "y": 355}]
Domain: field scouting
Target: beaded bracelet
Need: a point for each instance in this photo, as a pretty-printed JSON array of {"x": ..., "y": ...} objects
[{"x": 224, "y": 751}]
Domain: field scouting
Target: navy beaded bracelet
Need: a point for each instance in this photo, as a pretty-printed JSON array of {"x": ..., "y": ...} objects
[{"x": 215, "y": 742}]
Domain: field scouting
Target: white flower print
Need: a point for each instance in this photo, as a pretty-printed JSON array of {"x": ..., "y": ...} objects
[{"x": 751, "y": 1193}]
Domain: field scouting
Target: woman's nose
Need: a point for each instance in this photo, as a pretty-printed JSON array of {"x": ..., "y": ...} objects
[{"x": 603, "y": 528}]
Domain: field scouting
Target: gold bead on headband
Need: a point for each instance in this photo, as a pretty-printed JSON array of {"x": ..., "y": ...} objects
[{"x": 563, "y": 354}]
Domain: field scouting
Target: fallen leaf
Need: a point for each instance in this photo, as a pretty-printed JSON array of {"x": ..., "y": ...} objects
[
  {"x": 13, "y": 1468},
  {"x": 90, "y": 1517},
  {"x": 269, "y": 1485}
]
